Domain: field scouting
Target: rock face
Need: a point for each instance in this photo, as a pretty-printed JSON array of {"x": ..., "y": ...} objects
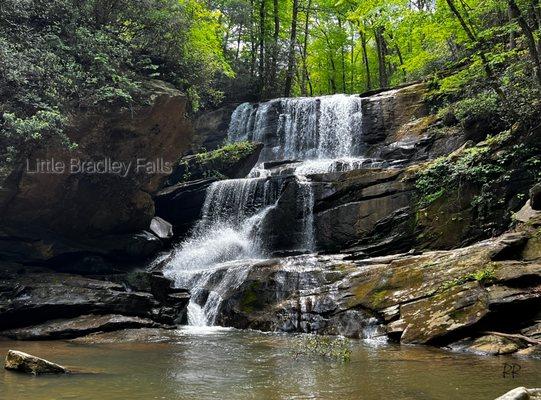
[
  {"x": 181, "y": 202},
  {"x": 212, "y": 126},
  {"x": 43, "y": 210},
  {"x": 535, "y": 197},
  {"x": 385, "y": 113},
  {"x": 79, "y": 326},
  {"x": 45, "y": 304},
  {"x": 351, "y": 207},
  {"x": 23, "y": 362},
  {"x": 429, "y": 298}
]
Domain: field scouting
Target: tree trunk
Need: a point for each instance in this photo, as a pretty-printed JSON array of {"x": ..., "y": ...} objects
[
  {"x": 291, "y": 56},
  {"x": 471, "y": 35},
  {"x": 239, "y": 39},
  {"x": 530, "y": 40},
  {"x": 365, "y": 60},
  {"x": 275, "y": 49},
  {"x": 252, "y": 40},
  {"x": 305, "y": 78},
  {"x": 382, "y": 65},
  {"x": 262, "y": 13},
  {"x": 342, "y": 60}
]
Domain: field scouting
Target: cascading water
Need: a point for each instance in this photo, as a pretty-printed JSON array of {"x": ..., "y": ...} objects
[
  {"x": 326, "y": 127},
  {"x": 322, "y": 134}
]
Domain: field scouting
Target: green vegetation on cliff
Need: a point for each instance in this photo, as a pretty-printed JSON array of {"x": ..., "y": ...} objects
[
  {"x": 483, "y": 184},
  {"x": 63, "y": 56},
  {"x": 221, "y": 163}
]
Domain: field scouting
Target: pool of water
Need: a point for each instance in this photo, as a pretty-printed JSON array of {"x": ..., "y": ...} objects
[{"x": 232, "y": 364}]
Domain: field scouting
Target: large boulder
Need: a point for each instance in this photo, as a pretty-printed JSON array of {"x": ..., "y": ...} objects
[
  {"x": 136, "y": 148},
  {"x": 30, "y": 297},
  {"x": 23, "y": 362},
  {"x": 79, "y": 326}
]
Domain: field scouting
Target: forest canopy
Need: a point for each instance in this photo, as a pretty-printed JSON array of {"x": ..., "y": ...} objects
[{"x": 57, "y": 56}]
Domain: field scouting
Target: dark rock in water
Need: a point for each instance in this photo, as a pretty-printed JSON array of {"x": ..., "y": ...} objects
[
  {"x": 23, "y": 362},
  {"x": 181, "y": 204},
  {"x": 79, "y": 326},
  {"x": 535, "y": 197},
  {"x": 490, "y": 345},
  {"x": 161, "y": 228},
  {"x": 32, "y": 298},
  {"x": 279, "y": 163}
]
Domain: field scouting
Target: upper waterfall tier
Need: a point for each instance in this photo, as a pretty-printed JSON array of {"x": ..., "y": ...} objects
[{"x": 324, "y": 127}]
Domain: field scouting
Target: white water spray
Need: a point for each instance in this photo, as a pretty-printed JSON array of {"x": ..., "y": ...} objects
[{"x": 323, "y": 134}]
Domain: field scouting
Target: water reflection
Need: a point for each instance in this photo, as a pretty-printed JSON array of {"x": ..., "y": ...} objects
[{"x": 218, "y": 363}]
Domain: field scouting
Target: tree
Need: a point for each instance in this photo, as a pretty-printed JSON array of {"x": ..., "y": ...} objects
[{"x": 290, "y": 73}]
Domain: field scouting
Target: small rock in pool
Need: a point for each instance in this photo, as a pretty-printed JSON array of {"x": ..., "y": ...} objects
[
  {"x": 23, "y": 362},
  {"x": 521, "y": 393}
]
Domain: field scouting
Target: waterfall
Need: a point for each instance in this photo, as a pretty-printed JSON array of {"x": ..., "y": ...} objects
[
  {"x": 228, "y": 231},
  {"x": 326, "y": 127},
  {"x": 322, "y": 134},
  {"x": 306, "y": 197}
]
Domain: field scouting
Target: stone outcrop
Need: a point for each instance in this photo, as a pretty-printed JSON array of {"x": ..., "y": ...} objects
[
  {"x": 79, "y": 326},
  {"x": 58, "y": 209},
  {"x": 211, "y": 127},
  {"x": 424, "y": 298},
  {"x": 351, "y": 207},
  {"x": 386, "y": 113},
  {"x": 181, "y": 202},
  {"x": 535, "y": 197},
  {"x": 23, "y": 362},
  {"x": 38, "y": 303},
  {"x": 233, "y": 161}
]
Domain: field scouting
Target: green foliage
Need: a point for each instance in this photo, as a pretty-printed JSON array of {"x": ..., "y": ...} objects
[
  {"x": 482, "y": 107},
  {"x": 214, "y": 164},
  {"x": 484, "y": 276},
  {"x": 488, "y": 169},
  {"x": 63, "y": 56},
  {"x": 334, "y": 348},
  {"x": 230, "y": 153}
]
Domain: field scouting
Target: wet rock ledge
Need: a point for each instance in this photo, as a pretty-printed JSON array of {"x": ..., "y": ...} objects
[
  {"x": 485, "y": 298},
  {"x": 39, "y": 304}
]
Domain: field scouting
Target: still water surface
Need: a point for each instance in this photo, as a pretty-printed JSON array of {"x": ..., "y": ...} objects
[{"x": 229, "y": 364}]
